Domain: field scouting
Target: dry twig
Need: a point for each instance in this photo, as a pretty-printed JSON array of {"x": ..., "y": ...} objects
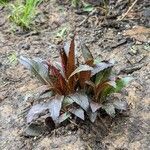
[{"x": 129, "y": 9}]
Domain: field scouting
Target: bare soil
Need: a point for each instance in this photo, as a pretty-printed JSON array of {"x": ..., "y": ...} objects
[{"x": 126, "y": 41}]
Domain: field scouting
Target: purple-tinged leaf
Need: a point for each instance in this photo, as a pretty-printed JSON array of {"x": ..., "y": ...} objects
[
  {"x": 93, "y": 116},
  {"x": 110, "y": 109},
  {"x": 94, "y": 106},
  {"x": 59, "y": 67},
  {"x": 100, "y": 67},
  {"x": 36, "y": 111},
  {"x": 64, "y": 117},
  {"x": 37, "y": 67},
  {"x": 64, "y": 59},
  {"x": 78, "y": 112},
  {"x": 89, "y": 60},
  {"x": 120, "y": 105},
  {"x": 81, "y": 99},
  {"x": 81, "y": 68},
  {"x": 54, "y": 106}
]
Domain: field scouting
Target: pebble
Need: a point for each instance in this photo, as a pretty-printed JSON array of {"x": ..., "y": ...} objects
[
  {"x": 53, "y": 145},
  {"x": 24, "y": 46}
]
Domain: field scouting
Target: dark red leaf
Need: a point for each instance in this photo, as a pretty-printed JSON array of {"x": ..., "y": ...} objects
[
  {"x": 71, "y": 59},
  {"x": 64, "y": 60},
  {"x": 83, "y": 77},
  {"x": 71, "y": 66}
]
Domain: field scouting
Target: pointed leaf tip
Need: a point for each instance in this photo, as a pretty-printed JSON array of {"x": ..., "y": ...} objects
[
  {"x": 78, "y": 112},
  {"x": 110, "y": 109},
  {"x": 95, "y": 106},
  {"x": 89, "y": 60}
]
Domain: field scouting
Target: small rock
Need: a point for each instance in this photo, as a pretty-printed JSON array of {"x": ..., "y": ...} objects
[
  {"x": 0, "y": 64},
  {"x": 53, "y": 145},
  {"x": 2, "y": 21},
  {"x": 3, "y": 95},
  {"x": 24, "y": 46}
]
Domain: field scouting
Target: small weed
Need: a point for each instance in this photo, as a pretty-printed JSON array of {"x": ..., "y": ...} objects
[
  {"x": 75, "y": 3},
  {"x": 3, "y": 2},
  {"x": 87, "y": 7},
  {"x": 13, "y": 58},
  {"x": 62, "y": 33},
  {"x": 23, "y": 14}
]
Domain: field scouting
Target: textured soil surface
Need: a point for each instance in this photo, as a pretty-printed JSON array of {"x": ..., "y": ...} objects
[{"x": 126, "y": 41}]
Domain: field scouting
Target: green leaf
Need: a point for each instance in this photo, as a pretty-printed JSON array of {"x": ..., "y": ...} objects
[
  {"x": 61, "y": 33},
  {"x": 110, "y": 109},
  {"x": 103, "y": 76},
  {"x": 81, "y": 99},
  {"x": 75, "y": 3},
  {"x": 13, "y": 58},
  {"x": 105, "y": 89},
  {"x": 78, "y": 112},
  {"x": 81, "y": 68},
  {"x": 120, "y": 105},
  {"x": 121, "y": 83},
  {"x": 88, "y": 8}
]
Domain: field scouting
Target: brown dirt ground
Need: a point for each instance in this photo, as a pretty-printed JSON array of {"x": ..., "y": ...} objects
[{"x": 125, "y": 41}]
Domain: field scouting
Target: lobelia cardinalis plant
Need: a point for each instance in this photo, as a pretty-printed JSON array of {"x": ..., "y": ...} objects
[{"x": 75, "y": 90}]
